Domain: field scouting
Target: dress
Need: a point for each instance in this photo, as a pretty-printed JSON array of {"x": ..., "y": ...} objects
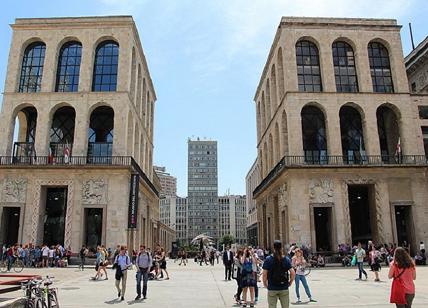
[{"x": 248, "y": 274}]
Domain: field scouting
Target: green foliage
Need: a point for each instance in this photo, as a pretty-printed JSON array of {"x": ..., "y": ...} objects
[{"x": 227, "y": 240}]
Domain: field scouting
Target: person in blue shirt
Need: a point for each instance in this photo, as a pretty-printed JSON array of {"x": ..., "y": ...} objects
[{"x": 278, "y": 276}]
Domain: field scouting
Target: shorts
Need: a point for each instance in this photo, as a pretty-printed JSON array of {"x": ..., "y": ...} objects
[
  {"x": 163, "y": 265},
  {"x": 375, "y": 267}
]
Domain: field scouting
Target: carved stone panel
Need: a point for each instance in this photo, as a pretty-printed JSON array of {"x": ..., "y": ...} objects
[
  {"x": 283, "y": 196},
  {"x": 14, "y": 190},
  {"x": 321, "y": 191},
  {"x": 94, "y": 192}
]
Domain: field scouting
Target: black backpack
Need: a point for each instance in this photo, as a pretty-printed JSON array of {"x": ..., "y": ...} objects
[{"x": 278, "y": 273}]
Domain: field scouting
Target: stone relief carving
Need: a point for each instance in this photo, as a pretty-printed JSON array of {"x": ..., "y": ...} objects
[
  {"x": 283, "y": 195},
  {"x": 321, "y": 191},
  {"x": 14, "y": 190},
  {"x": 94, "y": 192}
]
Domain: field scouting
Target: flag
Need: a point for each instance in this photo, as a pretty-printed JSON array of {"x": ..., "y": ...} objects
[
  {"x": 398, "y": 149},
  {"x": 67, "y": 153},
  {"x": 50, "y": 156}
]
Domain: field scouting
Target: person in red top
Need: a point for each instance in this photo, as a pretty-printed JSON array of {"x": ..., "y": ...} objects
[{"x": 404, "y": 267}]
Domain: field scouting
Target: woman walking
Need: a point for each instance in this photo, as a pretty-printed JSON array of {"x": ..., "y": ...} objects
[
  {"x": 299, "y": 263},
  {"x": 238, "y": 266},
  {"x": 163, "y": 262},
  {"x": 403, "y": 273},
  {"x": 375, "y": 260},
  {"x": 248, "y": 276}
]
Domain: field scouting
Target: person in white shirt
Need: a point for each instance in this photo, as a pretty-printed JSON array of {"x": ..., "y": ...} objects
[
  {"x": 122, "y": 263},
  {"x": 45, "y": 256},
  {"x": 51, "y": 256},
  {"x": 360, "y": 254}
]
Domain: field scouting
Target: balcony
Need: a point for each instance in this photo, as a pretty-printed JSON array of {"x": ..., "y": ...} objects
[
  {"x": 23, "y": 152},
  {"x": 77, "y": 161},
  {"x": 353, "y": 160}
]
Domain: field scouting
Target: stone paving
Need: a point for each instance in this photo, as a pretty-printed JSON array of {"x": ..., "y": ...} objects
[{"x": 195, "y": 286}]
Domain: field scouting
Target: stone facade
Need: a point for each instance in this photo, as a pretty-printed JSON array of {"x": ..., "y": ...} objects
[
  {"x": 102, "y": 183},
  {"x": 294, "y": 185},
  {"x": 252, "y": 180},
  {"x": 233, "y": 218}
]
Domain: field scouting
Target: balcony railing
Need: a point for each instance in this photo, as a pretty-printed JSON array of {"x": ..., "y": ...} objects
[
  {"x": 52, "y": 162},
  {"x": 25, "y": 151},
  {"x": 345, "y": 161}
]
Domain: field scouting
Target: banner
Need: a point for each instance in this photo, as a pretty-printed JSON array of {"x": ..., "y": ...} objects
[{"x": 133, "y": 201}]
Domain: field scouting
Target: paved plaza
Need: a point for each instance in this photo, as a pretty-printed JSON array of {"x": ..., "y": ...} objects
[{"x": 195, "y": 286}]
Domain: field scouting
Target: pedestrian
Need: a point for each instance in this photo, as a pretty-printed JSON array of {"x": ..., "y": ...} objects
[
  {"x": 183, "y": 257},
  {"x": 403, "y": 273},
  {"x": 217, "y": 255},
  {"x": 121, "y": 263},
  {"x": 278, "y": 276},
  {"x": 102, "y": 263},
  {"x": 227, "y": 262},
  {"x": 51, "y": 256},
  {"x": 375, "y": 260},
  {"x": 212, "y": 257},
  {"x": 237, "y": 269},
  {"x": 248, "y": 276},
  {"x": 162, "y": 263},
  {"x": 299, "y": 263},
  {"x": 143, "y": 262},
  {"x": 82, "y": 254},
  {"x": 360, "y": 253}
]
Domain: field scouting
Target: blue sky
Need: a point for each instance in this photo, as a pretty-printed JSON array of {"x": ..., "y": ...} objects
[{"x": 205, "y": 59}]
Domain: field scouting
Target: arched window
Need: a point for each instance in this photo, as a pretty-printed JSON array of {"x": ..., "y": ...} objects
[
  {"x": 352, "y": 135},
  {"x": 308, "y": 67},
  {"x": 105, "y": 68},
  {"x": 62, "y": 132},
  {"x": 100, "y": 133},
  {"x": 344, "y": 67},
  {"x": 389, "y": 134},
  {"x": 67, "y": 74},
  {"x": 25, "y": 133},
  {"x": 32, "y": 68},
  {"x": 314, "y": 135},
  {"x": 380, "y": 68}
]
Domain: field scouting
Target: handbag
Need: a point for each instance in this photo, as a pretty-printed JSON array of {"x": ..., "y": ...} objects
[
  {"x": 398, "y": 294},
  {"x": 354, "y": 260}
]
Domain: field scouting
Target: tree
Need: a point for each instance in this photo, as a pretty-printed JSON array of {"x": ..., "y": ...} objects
[{"x": 227, "y": 240}]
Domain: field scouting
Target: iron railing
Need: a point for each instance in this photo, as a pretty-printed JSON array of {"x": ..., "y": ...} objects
[
  {"x": 52, "y": 161},
  {"x": 341, "y": 161}
]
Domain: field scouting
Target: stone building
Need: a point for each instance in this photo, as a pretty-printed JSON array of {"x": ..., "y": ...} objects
[
  {"x": 252, "y": 180},
  {"x": 339, "y": 140},
  {"x": 173, "y": 213},
  {"x": 167, "y": 181},
  {"x": 79, "y": 167},
  {"x": 233, "y": 217}
]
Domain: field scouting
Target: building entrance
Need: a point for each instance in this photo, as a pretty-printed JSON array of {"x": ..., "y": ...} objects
[
  {"x": 55, "y": 214},
  {"x": 93, "y": 227},
  {"x": 10, "y": 225},
  {"x": 362, "y": 212},
  {"x": 323, "y": 228},
  {"x": 403, "y": 222}
]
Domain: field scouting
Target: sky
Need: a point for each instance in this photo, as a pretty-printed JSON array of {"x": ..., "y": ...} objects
[{"x": 205, "y": 59}]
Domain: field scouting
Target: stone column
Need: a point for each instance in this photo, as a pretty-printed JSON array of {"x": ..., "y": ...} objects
[
  {"x": 334, "y": 144},
  {"x": 295, "y": 141},
  {"x": 80, "y": 143},
  {"x": 363, "y": 66},
  {"x": 42, "y": 133},
  {"x": 371, "y": 136},
  {"x": 326, "y": 66},
  {"x": 86, "y": 65},
  {"x": 49, "y": 67}
]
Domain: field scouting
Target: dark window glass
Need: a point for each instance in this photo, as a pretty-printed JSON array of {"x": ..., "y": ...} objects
[
  {"x": 380, "y": 68},
  {"x": 105, "y": 67},
  {"x": 67, "y": 75},
  {"x": 344, "y": 67},
  {"x": 308, "y": 69},
  {"x": 423, "y": 112},
  {"x": 32, "y": 68},
  {"x": 314, "y": 135}
]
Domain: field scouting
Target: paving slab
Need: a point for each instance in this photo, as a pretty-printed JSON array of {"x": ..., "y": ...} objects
[{"x": 204, "y": 286}]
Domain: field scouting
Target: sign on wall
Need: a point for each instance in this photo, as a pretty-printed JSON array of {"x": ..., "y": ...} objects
[{"x": 133, "y": 201}]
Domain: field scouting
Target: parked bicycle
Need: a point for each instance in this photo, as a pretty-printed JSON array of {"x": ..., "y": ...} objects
[
  {"x": 16, "y": 265},
  {"x": 39, "y": 294}
]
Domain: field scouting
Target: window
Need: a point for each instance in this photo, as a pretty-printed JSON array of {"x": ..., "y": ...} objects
[
  {"x": 67, "y": 75},
  {"x": 344, "y": 67},
  {"x": 423, "y": 112},
  {"x": 105, "y": 67},
  {"x": 314, "y": 135},
  {"x": 425, "y": 136},
  {"x": 380, "y": 68},
  {"x": 308, "y": 67},
  {"x": 32, "y": 68}
]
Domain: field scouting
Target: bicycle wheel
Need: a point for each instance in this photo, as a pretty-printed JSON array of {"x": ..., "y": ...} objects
[
  {"x": 53, "y": 299},
  {"x": 3, "y": 266},
  {"x": 18, "y": 266},
  {"x": 40, "y": 303}
]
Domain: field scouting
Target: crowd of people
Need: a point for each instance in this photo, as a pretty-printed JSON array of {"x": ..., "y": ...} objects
[{"x": 36, "y": 256}]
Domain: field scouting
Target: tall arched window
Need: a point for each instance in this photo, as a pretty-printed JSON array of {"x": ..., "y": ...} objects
[
  {"x": 344, "y": 67},
  {"x": 62, "y": 132},
  {"x": 67, "y": 74},
  {"x": 308, "y": 67},
  {"x": 352, "y": 135},
  {"x": 380, "y": 68},
  {"x": 389, "y": 134},
  {"x": 314, "y": 135},
  {"x": 32, "y": 68},
  {"x": 100, "y": 133},
  {"x": 105, "y": 68}
]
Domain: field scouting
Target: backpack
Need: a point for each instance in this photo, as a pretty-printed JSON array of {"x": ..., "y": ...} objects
[
  {"x": 247, "y": 266},
  {"x": 278, "y": 273}
]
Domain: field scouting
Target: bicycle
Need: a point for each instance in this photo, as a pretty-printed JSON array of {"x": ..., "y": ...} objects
[
  {"x": 38, "y": 296},
  {"x": 17, "y": 266}
]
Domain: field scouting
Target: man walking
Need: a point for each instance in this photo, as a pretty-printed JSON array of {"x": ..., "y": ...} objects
[
  {"x": 227, "y": 262},
  {"x": 122, "y": 262},
  {"x": 143, "y": 262},
  {"x": 360, "y": 253},
  {"x": 82, "y": 254}
]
